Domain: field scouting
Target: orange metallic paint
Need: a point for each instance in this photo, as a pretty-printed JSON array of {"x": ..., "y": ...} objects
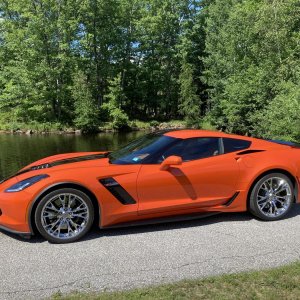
[
  {"x": 194, "y": 184},
  {"x": 197, "y": 186}
]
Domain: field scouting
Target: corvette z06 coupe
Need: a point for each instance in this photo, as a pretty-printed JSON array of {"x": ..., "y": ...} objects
[{"x": 163, "y": 176}]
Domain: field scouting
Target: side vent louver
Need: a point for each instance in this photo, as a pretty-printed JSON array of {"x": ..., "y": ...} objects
[
  {"x": 249, "y": 151},
  {"x": 117, "y": 190}
]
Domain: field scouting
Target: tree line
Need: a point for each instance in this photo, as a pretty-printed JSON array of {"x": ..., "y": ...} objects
[{"x": 234, "y": 64}]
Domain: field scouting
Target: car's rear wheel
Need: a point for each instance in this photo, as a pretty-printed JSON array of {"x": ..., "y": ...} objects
[
  {"x": 64, "y": 215},
  {"x": 272, "y": 197}
]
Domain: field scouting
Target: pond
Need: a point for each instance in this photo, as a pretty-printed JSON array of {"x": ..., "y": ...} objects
[{"x": 16, "y": 151}]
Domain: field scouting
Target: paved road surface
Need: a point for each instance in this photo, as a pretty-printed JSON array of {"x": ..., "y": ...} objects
[{"x": 135, "y": 257}]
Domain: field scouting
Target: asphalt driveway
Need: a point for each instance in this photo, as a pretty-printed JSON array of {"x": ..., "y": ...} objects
[{"x": 135, "y": 257}]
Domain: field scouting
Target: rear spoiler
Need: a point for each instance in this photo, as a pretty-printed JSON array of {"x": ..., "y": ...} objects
[{"x": 287, "y": 143}]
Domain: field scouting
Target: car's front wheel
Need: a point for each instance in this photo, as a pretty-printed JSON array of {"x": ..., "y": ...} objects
[
  {"x": 64, "y": 215},
  {"x": 272, "y": 197}
]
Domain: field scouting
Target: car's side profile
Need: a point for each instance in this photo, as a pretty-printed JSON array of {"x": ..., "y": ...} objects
[{"x": 162, "y": 176}]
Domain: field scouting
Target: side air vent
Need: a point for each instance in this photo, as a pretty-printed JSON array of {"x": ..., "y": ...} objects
[
  {"x": 117, "y": 190},
  {"x": 230, "y": 200},
  {"x": 249, "y": 151}
]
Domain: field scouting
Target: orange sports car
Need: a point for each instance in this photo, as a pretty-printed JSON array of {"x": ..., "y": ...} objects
[{"x": 163, "y": 176}]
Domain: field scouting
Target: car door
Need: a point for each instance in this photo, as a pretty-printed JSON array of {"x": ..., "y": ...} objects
[{"x": 205, "y": 178}]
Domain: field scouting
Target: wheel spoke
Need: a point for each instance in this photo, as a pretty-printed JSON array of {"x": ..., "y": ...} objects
[
  {"x": 62, "y": 199},
  {"x": 270, "y": 209},
  {"x": 81, "y": 207},
  {"x": 49, "y": 214},
  {"x": 264, "y": 205},
  {"x": 69, "y": 227},
  {"x": 58, "y": 229},
  {"x": 71, "y": 201},
  {"x": 81, "y": 215},
  {"x": 268, "y": 186},
  {"x": 75, "y": 225},
  {"x": 282, "y": 188},
  {"x": 52, "y": 207},
  {"x": 264, "y": 187},
  {"x": 263, "y": 199},
  {"x": 282, "y": 198},
  {"x": 280, "y": 201},
  {"x": 53, "y": 224}
]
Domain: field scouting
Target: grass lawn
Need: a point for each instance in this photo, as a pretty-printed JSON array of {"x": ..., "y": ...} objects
[{"x": 279, "y": 283}]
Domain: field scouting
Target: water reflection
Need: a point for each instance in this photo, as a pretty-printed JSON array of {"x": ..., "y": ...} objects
[{"x": 17, "y": 151}]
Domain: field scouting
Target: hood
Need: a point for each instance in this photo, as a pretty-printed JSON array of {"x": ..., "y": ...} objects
[
  {"x": 61, "y": 159},
  {"x": 58, "y": 160}
]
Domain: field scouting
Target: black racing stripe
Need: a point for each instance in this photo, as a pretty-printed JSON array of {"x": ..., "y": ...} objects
[
  {"x": 117, "y": 191},
  {"x": 77, "y": 159}
]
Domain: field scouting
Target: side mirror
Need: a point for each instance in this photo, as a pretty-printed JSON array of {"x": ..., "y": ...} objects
[{"x": 170, "y": 161}]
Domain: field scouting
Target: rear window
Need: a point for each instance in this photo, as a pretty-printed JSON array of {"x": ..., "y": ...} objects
[{"x": 232, "y": 145}]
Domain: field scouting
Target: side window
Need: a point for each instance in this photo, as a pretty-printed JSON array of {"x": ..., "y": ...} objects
[
  {"x": 194, "y": 148},
  {"x": 232, "y": 145}
]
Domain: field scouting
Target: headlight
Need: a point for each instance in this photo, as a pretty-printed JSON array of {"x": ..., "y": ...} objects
[{"x": 24, "y": 184}]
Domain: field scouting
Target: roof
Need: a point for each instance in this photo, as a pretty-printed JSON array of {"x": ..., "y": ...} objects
[{"x": 190, "y": 133}]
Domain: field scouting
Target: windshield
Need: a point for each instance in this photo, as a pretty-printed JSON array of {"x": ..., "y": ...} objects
[{"x": 143, "y": 150}]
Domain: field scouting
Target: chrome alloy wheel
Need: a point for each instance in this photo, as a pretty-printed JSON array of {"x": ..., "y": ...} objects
[
  {"x": 274, "y": 197},
  {"x": 65, "y": 216}
]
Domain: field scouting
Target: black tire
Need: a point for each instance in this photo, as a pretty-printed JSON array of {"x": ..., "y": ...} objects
[
  {"x": 63, "y": 216},
  {"x": 262, "y": 210}
]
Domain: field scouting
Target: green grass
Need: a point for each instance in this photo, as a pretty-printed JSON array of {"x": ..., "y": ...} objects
[{"x": 279, "y": 283}]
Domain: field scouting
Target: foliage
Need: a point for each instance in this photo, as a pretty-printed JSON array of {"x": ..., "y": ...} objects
[
  {"x": 190, "y": 102},
  {"x": 154, "y": 123},
  {"x": 36, "y": 59},
  {"x": 280, "y": 118},
  {"x": 86, "y": 109},
  {"x": 252, "y": 48},
  {"x": 226, "y": 64},
  {"x": 49, "y": 49},
  {"x": 113, "y": 109}
]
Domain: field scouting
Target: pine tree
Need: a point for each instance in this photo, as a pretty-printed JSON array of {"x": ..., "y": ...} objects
[
  {"x": 86, "y": 109},
  {"x": 189, "y": 100},
  {"x": 113, "y": 106}
]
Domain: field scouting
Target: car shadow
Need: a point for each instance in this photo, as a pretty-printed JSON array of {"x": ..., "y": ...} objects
[
  {"x": 217, "y": 218},
  {"x": 26, "y": 239}
]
